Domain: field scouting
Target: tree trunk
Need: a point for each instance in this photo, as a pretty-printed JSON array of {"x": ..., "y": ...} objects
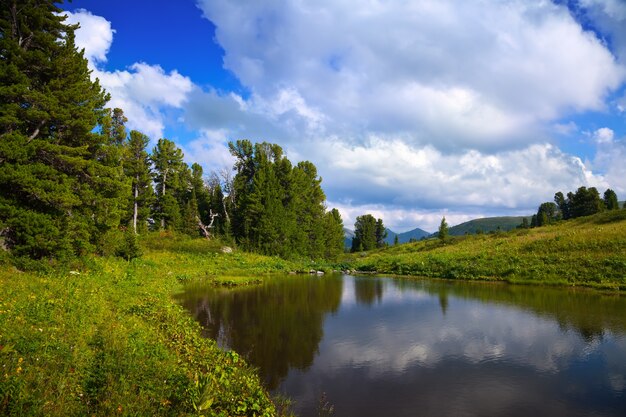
[
  {"x": 163, "y": 195},
  {"x": 135, "y": 208}
]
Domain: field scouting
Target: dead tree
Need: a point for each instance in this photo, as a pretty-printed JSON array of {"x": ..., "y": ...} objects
[{"x": 206, "y": 229}]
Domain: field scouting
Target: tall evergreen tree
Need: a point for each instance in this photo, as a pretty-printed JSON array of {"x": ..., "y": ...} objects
[
  {"x": 169, "y": 179},
  {"x": 199, "y": 187},
  {"x": 585, "y": 202},
  {"x": 137, "y": 169},
  {"x": 334, "y": 237},
  {"x": 610, "y": 200},
  {"x": 563, "y": 205},
  {"x": 364, "y": 233},
  {"x": 57, "y": 191},
  {"x": 381, "y": 233}
]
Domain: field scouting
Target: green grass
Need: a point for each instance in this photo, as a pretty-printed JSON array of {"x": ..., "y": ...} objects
[
  {"x": 587, "y": 251},
  {"x": 108, "y": 338}
]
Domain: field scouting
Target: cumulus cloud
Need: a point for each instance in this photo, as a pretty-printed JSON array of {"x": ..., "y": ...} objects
[
  {"x": 145, "y": 92},
  {"x": 603, "y": 135},
  {"x": 610, "y": 157},
  {"x": 413, "y": 183},
  {"x": 483, "y": 75},
  {"x": 94, "y": 36}
]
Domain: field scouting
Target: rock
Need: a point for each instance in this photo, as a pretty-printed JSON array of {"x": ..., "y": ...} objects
[{"x": 227, "y": 249}]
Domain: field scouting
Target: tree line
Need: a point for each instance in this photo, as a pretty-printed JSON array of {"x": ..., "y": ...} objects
[
  {"x": 72, "y": 176},
  {"x": 583, "y": 202}
]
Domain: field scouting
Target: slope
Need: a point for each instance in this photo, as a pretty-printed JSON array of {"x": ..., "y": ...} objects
[{"x": 588, "y": 251}]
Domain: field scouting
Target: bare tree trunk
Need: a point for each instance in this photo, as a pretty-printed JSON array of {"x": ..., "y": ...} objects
[
  {"x": 163, "y": 195},
  {"x": 206, "y": 229},
  {"x": 135, "y": 208}
]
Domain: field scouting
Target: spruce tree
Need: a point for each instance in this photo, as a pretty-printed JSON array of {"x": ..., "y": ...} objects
[
  {"x": 58, "y": 193},
  {"x": 443, "y": 230}
]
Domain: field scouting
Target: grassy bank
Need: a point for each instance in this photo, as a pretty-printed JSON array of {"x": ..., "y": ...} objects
[
  {"x": 587, "y": 251},
  {"x": 108, "y": 339}
]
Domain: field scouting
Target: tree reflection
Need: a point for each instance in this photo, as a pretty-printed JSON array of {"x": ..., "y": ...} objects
[
  {"x": 276, "y": 327},
  {"x": 368, "y": 290}
]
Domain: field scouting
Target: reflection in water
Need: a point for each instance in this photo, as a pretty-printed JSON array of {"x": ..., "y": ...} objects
[
  {"x": 367, "y": 291},
  {"x": 408, "y": 347},
  {"x": 276, "y": 327}
]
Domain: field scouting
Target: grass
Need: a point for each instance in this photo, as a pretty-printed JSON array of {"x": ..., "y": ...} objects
[
  {"x": 108, "y": 339},
  {"x": 587, "y": 252}
]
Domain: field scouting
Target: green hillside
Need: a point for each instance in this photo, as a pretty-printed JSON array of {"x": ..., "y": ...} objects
[
  {"x": 588, "y": 251},
  {"x": 486, "y": 225}
]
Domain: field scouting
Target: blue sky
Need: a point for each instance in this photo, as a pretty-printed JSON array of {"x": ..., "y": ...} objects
[{"x": 410, "y": 110}]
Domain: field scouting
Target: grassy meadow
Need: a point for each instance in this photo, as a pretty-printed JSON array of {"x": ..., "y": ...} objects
[
  {"x": 106, "y": 338},
  {"x": 588, "y": 251}
]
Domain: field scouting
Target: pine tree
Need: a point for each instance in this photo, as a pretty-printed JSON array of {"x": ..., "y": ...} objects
[
  {"x": 364, "y": 233},
  {"x": 58, "y": 192},
  {"x": 381, "y": 233},
  {"x": 137, "y": 169},
  {"x": 168, "y": 176},
  {"x": 334, "y": 236},
  {"x": 610, "y": 200}
]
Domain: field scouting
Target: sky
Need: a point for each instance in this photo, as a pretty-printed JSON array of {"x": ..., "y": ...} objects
[{"x": 411, "y": 109}]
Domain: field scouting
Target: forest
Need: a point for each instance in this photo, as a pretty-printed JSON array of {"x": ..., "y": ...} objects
[{"x": 75, "y": 181}]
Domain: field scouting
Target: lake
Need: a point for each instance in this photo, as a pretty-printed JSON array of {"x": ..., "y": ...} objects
[{"x": 380, "y": 346}]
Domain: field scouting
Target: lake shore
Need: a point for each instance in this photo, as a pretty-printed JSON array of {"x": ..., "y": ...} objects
[
  {"x": 588, "y": 252},
  {"x": 106, "y": 337}
]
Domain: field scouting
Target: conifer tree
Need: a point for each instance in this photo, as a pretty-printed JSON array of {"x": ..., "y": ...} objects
[
  {"x": 443, "y": 230},
  {"x": 137, "y": 169},
  {"x": 364, "y": 233},
  {"x": 168, "y": 170},
  {"x": 381, "y": 233},
  {"x": 610, "y": 200},
  {"x": 58, "y": 194},
  {"x": 334, "y": 237}
]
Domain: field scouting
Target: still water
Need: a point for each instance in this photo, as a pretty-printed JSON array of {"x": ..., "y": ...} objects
[{"x": 376, "y": 346}]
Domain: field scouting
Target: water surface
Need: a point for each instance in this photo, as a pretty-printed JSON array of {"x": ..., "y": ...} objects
[{"x": 376, "y": 346}]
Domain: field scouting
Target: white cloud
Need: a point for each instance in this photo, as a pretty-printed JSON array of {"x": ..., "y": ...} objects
[
  {"x": 482, "y": 75},
  {"x": 94, "y": 36},
  {"x": 610, "y": 158},
  {"x": 209, "y": 150},
  {"x": 423, "y": 178},
  {"x": 603, "y": 135},
  {"x": 145, "y": 92}
]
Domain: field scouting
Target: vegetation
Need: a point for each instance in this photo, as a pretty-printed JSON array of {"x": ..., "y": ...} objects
[
  {"x": 443, "y": 232},
  {"x": 486, "y": 225},
  {"x": 72, "y": 177},
  {"x": 584, "y": 202},
  {"x": 107, "y": 338},
  {"x": 588, "y": 251},
  {"x": 369, "y": 233}
]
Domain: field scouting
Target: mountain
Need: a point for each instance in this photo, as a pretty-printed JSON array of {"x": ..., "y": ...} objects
[
  {"x": 347, "y": 237},
  {"x": 486, "y": 225},
  {"x": 404, "y": 237}
]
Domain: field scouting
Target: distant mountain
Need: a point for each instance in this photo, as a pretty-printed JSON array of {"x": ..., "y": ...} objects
[
  {"x": 404, "y": 237},
  {"x": 347, "y": 237},
  {"x": 486, "y": 225}
]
